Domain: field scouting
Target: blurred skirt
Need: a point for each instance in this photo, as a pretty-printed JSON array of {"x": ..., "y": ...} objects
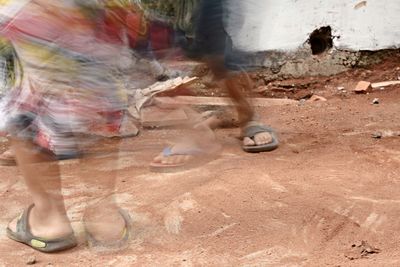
[{"x": 70, "y": 76}]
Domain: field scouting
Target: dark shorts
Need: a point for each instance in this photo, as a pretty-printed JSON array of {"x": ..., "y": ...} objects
[
  {"x": 212, "y": 40},
  {"x": 210, "y": 35}
]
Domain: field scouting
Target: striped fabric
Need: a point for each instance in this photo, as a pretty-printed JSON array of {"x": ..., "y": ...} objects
[{"x": 71, "y": 72}]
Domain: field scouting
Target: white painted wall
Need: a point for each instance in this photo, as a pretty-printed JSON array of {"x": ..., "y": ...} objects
[{"x": 263, "y": 25}]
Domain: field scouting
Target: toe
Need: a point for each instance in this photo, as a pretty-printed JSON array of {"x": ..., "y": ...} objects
[
  {"x": 13, "y": 224},
  {"x": 262, "y": 138},
  {"x": 177, "y": 159},
  {"x": 159, "y": 158},
  {"x": 247, "y": 141},
  {"x": 168, "y": 160},
  {"x": 182, "y": 159}
]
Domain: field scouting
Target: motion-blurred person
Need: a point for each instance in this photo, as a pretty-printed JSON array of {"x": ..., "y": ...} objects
[
  {"x": 212, "y": 45},
  {"x": 142, "y": 37},
  {"x": 71, "y": 79}
]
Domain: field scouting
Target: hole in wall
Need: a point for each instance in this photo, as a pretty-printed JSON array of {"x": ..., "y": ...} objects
[{"x": 321, "y": 40}]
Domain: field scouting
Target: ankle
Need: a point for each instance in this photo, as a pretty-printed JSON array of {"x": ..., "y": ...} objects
[
  {"x": 50, "y": 224},
  {"x": 49, "y": 212}
]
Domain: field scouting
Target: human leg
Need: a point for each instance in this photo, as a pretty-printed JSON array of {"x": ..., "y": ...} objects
[
  {"x": 237, "y": 85},
  {"x": 47, "y": 218},
  {"x": 105, "y": 223},
  {"x": 213, "y": 45}
]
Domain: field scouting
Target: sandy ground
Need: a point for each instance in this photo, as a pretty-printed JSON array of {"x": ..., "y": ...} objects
[{"x": 312, "y": 202}]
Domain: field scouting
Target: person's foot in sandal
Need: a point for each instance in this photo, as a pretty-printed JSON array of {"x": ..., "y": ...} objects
[
  {"x": 109, "y": 229},
  {"x": 50, "y": 233},
  {"x": 7, "y": 158},
  {"x": 258, "y": 137},
  {"x": 192, "y": 151}
]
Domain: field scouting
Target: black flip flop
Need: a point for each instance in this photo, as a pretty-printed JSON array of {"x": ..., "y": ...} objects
[
  {"x": 253, "y": 129},
  {"x": 24, "y": 235}
]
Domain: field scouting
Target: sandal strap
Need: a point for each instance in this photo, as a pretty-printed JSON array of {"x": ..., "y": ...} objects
[
  {"x": 23, "y": 221},
  {"x": 27, "y": 237},
  {"x": 253, "y": 129}
]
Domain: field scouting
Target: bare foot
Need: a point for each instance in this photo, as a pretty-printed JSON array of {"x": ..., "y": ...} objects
[{"x": 50, "y": 225}]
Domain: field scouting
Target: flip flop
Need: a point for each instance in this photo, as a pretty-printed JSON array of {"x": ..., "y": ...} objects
[
  {"x": 251, "y": 130},
  {"x": 24, "y": 235},
  {"x": 114, "y": 245},
  {"x": 200, "y": 157},
  {"x": 7, "y": 159}
]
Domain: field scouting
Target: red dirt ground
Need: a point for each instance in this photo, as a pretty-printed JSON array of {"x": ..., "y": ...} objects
[{"x": 312, "y": 202}]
